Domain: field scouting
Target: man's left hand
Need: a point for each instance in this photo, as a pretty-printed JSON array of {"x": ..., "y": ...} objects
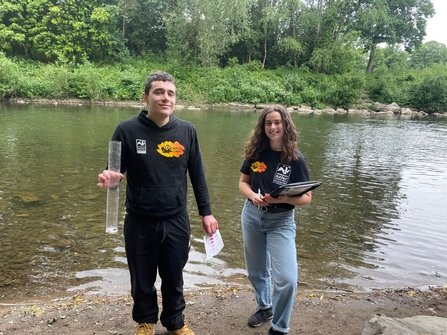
[{"x": 210, "y": 224}]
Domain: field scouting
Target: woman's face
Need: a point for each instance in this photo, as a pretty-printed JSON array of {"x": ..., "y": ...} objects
[{"x": 273, "y": 126}]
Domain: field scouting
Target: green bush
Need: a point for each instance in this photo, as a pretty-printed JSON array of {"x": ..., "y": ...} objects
[
  {"x": 9, "y": 77},
  {"x": 310, "y": 96},
  {"x": 31, "y": 87},
  {"x": 382, "y": 85},
  {"x": 252, "y": 94},
  {"x": 86, "y": 82},
  {"x": 343, "y": 90},
  {"x": 430, "y": 93},
  {"x": 249, "y": 83},
  {"x": 55, "y": 81},
  {"x": 254, "y": 65},
  {"x": 129, "y": 85},
  {"x": 224, "y": 93},
  {"x": 288, "y": 98},
  {"x": 294, "y": 83},
  {"x": 233, "y": 62}
]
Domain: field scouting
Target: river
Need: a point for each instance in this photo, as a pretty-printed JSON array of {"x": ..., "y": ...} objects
[{"x": 378, "y": 220}]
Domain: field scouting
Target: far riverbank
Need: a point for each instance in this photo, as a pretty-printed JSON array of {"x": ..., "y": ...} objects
[{"x": 363, "y": 108}]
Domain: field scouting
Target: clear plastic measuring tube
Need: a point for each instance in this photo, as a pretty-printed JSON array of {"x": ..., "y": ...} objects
[{"x": 113, "y": 188}]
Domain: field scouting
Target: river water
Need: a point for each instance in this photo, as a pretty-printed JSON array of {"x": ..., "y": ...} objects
[{"x": 378, "y": 220}]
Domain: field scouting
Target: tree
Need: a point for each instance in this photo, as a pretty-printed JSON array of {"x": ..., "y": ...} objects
[
  {"x": 79, "y": 30},
  {"x": 270, "y": 22},
  {"x": 284, "y": 34},
  {"x": 429, "y": 54},
  {"x": 291, "y": 48},
  {"x": 49, "y": 29},
  {"x": 144, "y": 24},
  {"x": 392, "y": 22},
  {"x": 248, "y": 46},
  {"x": 430, "y": 93},
  {"x": 21, "y": 21},
  {"x": 204, "y": 30}
]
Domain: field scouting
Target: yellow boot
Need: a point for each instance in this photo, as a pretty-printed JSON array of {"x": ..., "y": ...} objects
[
  {"x": 145, "y": 329},
  {"x": 185, "y": 330}
]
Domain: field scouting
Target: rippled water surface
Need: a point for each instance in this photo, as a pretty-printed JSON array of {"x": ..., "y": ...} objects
[{"x": 379, "y": 220}]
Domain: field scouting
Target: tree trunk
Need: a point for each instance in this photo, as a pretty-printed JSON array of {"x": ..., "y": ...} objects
[
  {"x": 372, "y": 52},
  {"x": 265, "y": 51},
  {"x": 320, "y": 17},
  {"x": 124, "y": 22}
]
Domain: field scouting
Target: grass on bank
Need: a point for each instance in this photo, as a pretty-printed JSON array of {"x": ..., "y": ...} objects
[{"x": 424, "y": 89}]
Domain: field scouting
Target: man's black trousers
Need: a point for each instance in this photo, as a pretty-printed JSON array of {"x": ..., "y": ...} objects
[{"x": 161, "y": 244}]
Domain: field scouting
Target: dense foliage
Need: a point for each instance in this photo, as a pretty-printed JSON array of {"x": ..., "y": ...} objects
[
  {"x": 422, "y": 88},
  {"x": 314, "y": 52},
  {"x": 315, "y": 33}
]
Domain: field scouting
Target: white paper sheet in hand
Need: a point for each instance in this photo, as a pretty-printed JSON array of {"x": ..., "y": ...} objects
[{"x": 213, "y": 244}]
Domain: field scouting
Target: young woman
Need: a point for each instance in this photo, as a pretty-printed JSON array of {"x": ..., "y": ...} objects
[{"x": 268, "y": 224}]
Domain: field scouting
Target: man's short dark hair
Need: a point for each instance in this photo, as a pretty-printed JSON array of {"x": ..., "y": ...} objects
[{"x": 157, "y": 76}]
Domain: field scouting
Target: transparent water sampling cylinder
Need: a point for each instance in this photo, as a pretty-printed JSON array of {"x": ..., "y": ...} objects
[{"x": 113, "y": 188}]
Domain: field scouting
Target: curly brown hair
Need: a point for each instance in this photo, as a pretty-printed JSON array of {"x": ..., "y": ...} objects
[{"x": 258, "y": 140}]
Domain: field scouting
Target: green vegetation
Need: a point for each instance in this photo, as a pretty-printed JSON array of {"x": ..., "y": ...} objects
[
  {"x": 425, "y": 88},
  {"x": 313, "y": 52}
]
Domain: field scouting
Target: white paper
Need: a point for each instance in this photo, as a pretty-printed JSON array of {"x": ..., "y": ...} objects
[{"x": 213, "y": 244}]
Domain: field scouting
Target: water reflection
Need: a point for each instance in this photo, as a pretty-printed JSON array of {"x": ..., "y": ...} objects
[
  {"x": 377, "y": 221},
  {"x": 364, "y": 168}
]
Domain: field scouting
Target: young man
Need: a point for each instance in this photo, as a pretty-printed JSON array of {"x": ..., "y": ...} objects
[{"x": 158, "y": 150}]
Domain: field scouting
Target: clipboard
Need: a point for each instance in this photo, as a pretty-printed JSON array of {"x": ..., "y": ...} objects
[{"x": 296, "y": 189}]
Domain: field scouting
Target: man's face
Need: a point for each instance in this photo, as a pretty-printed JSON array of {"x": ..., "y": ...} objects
[{"x": 161, "y": 98}]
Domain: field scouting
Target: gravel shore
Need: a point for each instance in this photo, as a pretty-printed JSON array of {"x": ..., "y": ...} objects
[{"x": 223, "y": 310}]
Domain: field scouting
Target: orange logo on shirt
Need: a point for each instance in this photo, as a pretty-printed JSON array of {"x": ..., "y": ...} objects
[
  {"x": 169, "y": 149},
  {"x": 258, "y": 167}
]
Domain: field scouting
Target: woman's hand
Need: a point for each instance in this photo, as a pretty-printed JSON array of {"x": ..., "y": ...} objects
[
  {"x": 280, "y": 199},
  {"x": 302, "y": 200},
  {"x": 258, "y": 199}
]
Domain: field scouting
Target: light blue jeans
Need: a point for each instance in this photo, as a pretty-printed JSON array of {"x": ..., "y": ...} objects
[{"x": 269, "y": 243}]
